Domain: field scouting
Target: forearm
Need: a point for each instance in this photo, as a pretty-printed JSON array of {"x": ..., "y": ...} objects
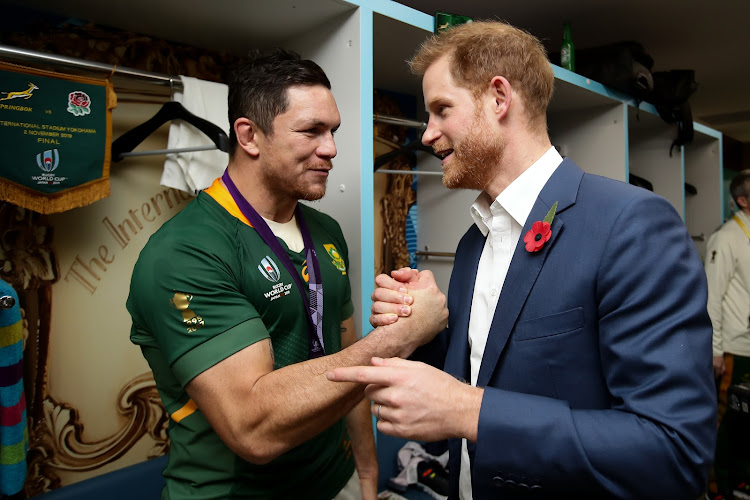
[
  {"x": 288, "y": 406},
  {"x": 359, "y": 426}
]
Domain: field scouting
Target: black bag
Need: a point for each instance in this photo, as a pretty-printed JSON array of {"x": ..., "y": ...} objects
[
  {"x": 672, "y": 89},
  {"x": 624, "y": 66}
]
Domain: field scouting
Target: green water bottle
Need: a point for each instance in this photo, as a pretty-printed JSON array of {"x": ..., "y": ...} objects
[{"x": 568, "y": 52}]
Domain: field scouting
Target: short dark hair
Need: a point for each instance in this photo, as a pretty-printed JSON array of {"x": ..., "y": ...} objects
[
  {"x": 258, "y": 87},
  {"x": 739, "y": 186}
]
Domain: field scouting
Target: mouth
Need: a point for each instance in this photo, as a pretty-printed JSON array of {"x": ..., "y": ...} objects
[
  {"x": 320, "y": 169},
  {"x": 444, "y": 154}
]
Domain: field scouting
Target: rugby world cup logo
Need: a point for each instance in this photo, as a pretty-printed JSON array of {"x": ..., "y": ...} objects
[
  {"x": 269, "y": 269},
  {"x": 48, "y": 160}
]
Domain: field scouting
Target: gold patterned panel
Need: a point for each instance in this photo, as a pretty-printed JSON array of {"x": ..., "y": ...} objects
[{"x": 57, "y": 441}]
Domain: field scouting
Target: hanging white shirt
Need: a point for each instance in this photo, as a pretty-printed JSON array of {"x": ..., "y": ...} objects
[{"x": 501, "y": 221}]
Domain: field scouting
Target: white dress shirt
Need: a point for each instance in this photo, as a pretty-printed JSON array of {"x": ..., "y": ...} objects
[{"x": 501, "y": 221}]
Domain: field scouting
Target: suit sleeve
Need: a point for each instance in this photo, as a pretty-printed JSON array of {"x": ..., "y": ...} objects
[{"x": 656, "y": 439}]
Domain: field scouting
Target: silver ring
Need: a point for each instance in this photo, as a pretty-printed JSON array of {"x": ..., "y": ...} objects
[{"x": 379, "y": 407}]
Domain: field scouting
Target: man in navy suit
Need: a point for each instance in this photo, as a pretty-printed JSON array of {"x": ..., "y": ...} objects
[{"x": 577, "y": 359}]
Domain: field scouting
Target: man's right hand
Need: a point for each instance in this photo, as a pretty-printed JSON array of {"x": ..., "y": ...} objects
[
  {"x": 426, "y": 317},
  {"x": 391, "y": 299},
  {"x": 719, "y": 366}
]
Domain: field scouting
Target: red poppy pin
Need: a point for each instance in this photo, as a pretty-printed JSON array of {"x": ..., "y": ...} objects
[{"x": 540, "y": 232}]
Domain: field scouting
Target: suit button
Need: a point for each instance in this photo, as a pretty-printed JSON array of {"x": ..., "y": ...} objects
[
  {"x": 510, "y": 484},
  {"x": 536, "y": 487},
  {"x": 499, "y": 481},
  {"x": 523, "y": 486}
]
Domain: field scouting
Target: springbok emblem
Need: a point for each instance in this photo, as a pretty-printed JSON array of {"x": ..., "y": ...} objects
[{"x": 25, "y": 94}]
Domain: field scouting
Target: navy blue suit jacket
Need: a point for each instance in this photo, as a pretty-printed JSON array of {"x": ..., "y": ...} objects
[{"x": 597, "y": 370}]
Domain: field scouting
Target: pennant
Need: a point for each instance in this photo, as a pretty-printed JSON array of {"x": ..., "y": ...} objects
[{"x": 55, "y": 137}]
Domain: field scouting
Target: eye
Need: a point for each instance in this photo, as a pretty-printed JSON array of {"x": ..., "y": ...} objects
[{"x": 440, "y": 110}]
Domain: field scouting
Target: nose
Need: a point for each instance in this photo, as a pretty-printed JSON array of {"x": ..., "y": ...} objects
[
  {"x": 431, "y": 133},
  {"x": 327, "y": 147}
]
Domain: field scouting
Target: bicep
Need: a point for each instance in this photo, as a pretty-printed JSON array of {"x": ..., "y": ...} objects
[{"x": 224, "y": 389}]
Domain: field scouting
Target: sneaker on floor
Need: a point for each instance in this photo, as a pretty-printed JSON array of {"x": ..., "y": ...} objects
[
  {"x": 719, "y": 496},
  {"x": 742, "y": 491},
  {"x": 432, "y": 478}
]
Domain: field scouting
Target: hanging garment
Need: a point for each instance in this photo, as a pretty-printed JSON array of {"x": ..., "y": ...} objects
[{"x": 194, "y": 171}]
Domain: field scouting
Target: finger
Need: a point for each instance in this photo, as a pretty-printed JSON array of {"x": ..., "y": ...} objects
[
  {"x": 377, "y": 394},
  {"x": 395, "y": 362},
  {"x": 393, "y": 296},
  {"x": 360, "y": 375},
  {"x": 405, "y": 274},
  {"x": 379, "y": 411},
  {"x": 380, "y": 307},
  {"x": 377, "y": 320},
  {"x": 389, "y": 428},
  {"x": 385, "y": 281}
]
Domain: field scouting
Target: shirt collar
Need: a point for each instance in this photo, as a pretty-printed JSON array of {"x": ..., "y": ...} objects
[
  {"x": 743, "y": 216},
  {"x": 519, "y": 197}
]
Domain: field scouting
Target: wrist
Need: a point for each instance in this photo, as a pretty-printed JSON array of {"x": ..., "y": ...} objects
[
  {"x": 393, "y": 342},
  {"x": 469, "y": 404}
]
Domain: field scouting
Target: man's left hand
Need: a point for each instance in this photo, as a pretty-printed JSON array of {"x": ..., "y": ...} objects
[{"x": 413, "y": 400}]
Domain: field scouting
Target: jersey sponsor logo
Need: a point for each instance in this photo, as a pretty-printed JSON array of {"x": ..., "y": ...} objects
[
  {"x": 269, "y": 269},
  {"x": 181, "y": 302},
  {"x": 338, "y": 262}
]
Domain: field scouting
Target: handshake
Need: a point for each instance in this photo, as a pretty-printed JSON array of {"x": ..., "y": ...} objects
[{"x": 411, "y": 399}]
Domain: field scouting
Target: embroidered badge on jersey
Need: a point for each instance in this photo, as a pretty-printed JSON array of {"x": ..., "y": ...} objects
[
  {"x": 270, "y": 271},
  {"x": 181, "y": 302},
  {"x": 337, "y": 260}
]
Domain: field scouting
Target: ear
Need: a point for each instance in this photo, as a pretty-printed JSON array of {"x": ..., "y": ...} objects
[
  {"x": 502, "y": 95},
  {"x": 247, "y": 136},
  {"x": 743, "y": 202}
]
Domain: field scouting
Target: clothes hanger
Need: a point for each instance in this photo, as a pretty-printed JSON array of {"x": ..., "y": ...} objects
[
  {"x": 172, "y": 110},
  {"x": 409, "y": 149}
]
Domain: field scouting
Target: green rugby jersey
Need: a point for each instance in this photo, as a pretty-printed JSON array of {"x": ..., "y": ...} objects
[{"x": 205, "y": 286}]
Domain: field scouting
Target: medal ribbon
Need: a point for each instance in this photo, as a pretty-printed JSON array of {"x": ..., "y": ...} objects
[
  {"x": 313, "y": 305},
  {"x": 742, "y": 226}
]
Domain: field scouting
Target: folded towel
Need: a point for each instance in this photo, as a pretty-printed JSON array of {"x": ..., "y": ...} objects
[{"x": 195, "y": 171}]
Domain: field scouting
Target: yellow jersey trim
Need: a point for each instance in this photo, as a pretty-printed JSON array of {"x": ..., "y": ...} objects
[
  {"x": 218, "y": 192},
  {"x": 185, "y": 411}
]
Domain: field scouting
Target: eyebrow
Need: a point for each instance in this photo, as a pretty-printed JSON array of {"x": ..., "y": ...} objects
[
  {"x": 318, "y": 123},
  {"x": 438, "y": 101}
]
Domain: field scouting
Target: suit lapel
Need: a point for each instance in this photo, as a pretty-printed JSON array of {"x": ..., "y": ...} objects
[
  {"x": 462, "y": 286},
  {"x": 525, "y": 266}
]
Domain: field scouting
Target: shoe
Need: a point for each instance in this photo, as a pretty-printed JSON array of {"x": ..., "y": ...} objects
[
  {"x": 719, "y": 496},
  {"x": 742, "y": 491},
  {"x": 432, "y": 478}
]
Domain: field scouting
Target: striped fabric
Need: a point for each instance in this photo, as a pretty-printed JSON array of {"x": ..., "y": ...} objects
[{"x": 14, "y": 436}]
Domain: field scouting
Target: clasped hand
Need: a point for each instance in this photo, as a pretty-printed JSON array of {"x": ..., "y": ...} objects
[{"x": 410, "y": 399}]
